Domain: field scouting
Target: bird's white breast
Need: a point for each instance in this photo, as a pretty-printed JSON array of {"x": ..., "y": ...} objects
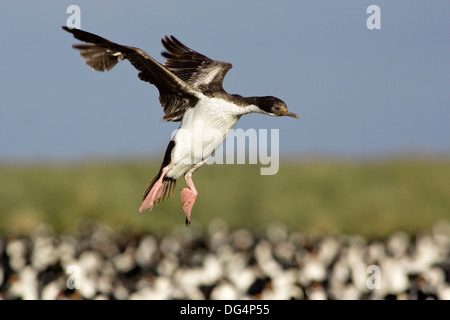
[{"x": 202, "y": 130}]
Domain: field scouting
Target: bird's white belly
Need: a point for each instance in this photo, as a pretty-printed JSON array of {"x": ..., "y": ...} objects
[{"x": 202, "y": 131}]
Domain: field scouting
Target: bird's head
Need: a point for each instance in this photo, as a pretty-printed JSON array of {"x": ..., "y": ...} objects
[{"x": 274, "y": 107}]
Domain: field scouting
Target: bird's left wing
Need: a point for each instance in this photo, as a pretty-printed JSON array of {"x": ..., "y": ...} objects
[
  {"x": 196, "y": 69},
  {"x": 101, "y": 54}
]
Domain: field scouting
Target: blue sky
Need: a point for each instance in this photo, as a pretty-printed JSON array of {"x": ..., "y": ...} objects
[{"x": 359, "y": 92}]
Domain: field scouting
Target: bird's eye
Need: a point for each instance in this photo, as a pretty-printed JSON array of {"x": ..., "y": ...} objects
[{"x": 276, "y": 108}]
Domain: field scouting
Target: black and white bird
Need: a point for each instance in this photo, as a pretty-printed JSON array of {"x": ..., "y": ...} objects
[{"x": 190, "y": 91}]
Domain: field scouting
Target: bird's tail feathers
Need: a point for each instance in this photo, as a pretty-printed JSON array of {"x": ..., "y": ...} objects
[{"x": 169, "y": 188}]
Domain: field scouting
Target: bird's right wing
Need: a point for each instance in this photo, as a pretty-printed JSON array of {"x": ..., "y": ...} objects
[{"x": 101, "y": 54}]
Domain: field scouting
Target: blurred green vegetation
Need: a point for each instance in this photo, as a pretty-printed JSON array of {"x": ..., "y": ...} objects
[{"x": 372, "y": 198}]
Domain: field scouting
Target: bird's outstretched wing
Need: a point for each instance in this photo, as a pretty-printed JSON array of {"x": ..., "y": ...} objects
[
  {"x": 194, "y": 68},
  {"x": 101, "y": 54}
]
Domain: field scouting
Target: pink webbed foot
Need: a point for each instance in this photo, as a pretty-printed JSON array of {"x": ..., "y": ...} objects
[
  {"x": 155, "y": 193},
  {"x": 188, "y": 197},
  {"x": 187, "y": 201}
]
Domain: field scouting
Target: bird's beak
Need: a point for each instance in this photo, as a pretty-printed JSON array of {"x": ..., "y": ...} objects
[{"x": 291, "y": 114}]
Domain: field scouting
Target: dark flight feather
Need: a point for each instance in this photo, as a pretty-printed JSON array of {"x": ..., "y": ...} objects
[
  {"x": 101, "y": 54},
  {"x": 194, "y": 68}
]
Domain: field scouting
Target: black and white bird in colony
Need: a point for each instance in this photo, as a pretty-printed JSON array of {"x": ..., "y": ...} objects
[{"x": 190, "y": 92}]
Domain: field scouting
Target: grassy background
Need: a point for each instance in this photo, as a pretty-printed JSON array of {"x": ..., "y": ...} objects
[{"x": 372, "y": 198}]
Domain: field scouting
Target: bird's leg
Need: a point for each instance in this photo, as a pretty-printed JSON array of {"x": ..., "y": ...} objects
[
  {"x": 188, "y": 197},
  {"x": 155, "y": 193}
]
